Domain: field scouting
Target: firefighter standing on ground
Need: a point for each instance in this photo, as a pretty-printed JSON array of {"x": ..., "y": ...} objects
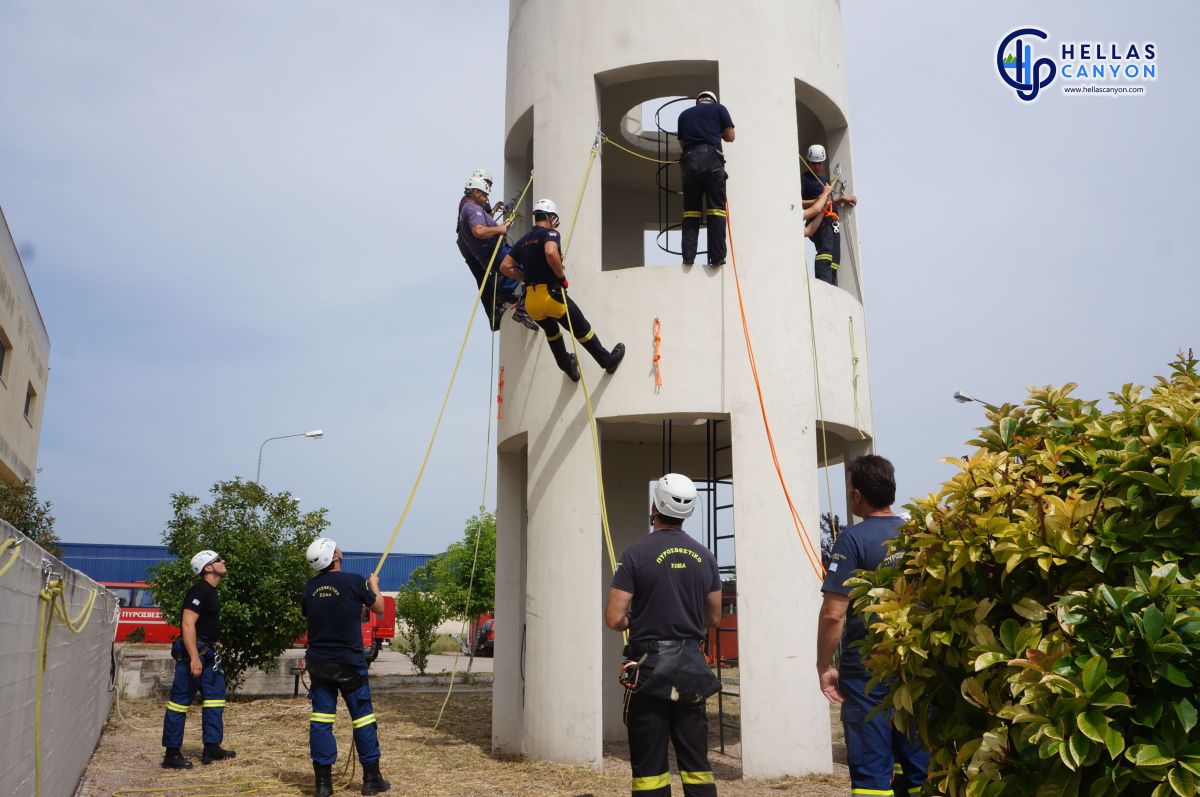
[
  {"x": 814, "y": 191},
  {"x": 702, "y": 128},
  {"x": 333, "y": 602},
  {"x": 198, "y": 667},
  {"x": 667, "y": 592},
  {"x": 873, "y": 746},
  {"x": 539, "y": 255}
]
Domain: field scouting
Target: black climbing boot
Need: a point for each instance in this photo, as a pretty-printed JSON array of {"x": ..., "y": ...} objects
[
  {"x": 214, "y": 752},
  {"x": 566, "y": 362},
  {"x": 373, "y": 782},
  {"x": 323, "y": 778},
  {"x": 175, "y": 760},
  {"x": 570, "y": 368},
  {"x": 601, "y": 355},
  {"x": 614, "y": 358}
]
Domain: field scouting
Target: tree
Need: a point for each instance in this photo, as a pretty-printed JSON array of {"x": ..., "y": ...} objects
[
  {"x": 20, "y": 507},
  {"x": 831, "y": 527},
  {"x": 422, "y": 612},
  {"x": 263, "y": 537},
  {"x": 450, "y": 575},
  {"x": 1042, "y": 631}
]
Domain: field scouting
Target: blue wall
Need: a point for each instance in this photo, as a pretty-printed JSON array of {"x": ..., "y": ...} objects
[{"x": 105, "y": 562}]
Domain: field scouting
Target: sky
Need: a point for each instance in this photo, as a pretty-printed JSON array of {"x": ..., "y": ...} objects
[{"x": 235, "y": 218}]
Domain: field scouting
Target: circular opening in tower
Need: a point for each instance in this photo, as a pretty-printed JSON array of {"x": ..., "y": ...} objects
[{"x": 651, "y": 125}]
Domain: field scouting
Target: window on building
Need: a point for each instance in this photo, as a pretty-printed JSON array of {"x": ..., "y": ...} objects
[
  {"x": 30, "y": 402},
  {"x": 6, "y": 349}
]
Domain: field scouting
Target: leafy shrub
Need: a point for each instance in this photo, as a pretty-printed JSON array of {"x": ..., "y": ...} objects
[
  {"x": 263, "y": 537},
  {"x": 421, "y": 613},
  {"x": 1043, "y": 628}
]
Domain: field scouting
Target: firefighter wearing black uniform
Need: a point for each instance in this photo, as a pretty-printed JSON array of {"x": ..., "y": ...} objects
[
  {"x": 332, "y": 603},
  {"x": 537, "y": 259},
  {"x": 198, "y": 667},
  {"x": 702, "y": 128},
  {"x": 667, "y": 592},
  {"x": 828, "y": 236}
]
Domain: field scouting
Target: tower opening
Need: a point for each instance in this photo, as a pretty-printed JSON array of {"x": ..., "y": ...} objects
[{"x": 633, "y": 190}]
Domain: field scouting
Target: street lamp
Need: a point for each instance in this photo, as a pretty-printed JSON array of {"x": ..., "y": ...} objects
[
  {"x": 966, "y": 398},
  {"x": 315, "y": 434}
]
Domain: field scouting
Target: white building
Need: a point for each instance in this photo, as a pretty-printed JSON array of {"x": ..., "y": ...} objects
[{"x": 777, "y": 65}]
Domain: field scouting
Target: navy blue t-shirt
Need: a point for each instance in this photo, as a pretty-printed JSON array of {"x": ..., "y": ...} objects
[
  {"x": 811, "y": 188},
  {"x": 862, "y": 546},
  {"x": 333, "y": 604},
  {"x": 670, "y": 576},
  {"x": 703, "y": 124},
  {"x": 530, "y": 254}
]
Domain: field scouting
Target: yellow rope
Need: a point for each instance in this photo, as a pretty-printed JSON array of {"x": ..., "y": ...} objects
[
  {"x": 15, "y": 545},
  {"x": 635, "y": 154},
  {"x": 854, "y": 382},
  {"x": 812, "y": 326},
  {"x": 446, "y": 399}
]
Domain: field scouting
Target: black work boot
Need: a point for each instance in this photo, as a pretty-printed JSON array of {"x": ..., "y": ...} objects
[
  {"x": 214, "y": 752},
  {"x": 601, "y": 355},
  {"x": 614, "y": 358},
  {"x": 175, "y": 760},
  {"x": 571, "y": 368},
  {"x": 323, "y": 780},
  {"x": 566, "y": 362},
  {"x": 373, "y": 782}
]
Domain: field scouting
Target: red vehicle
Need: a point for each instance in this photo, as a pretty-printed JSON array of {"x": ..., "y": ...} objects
[{"x": 139, "y": 609}]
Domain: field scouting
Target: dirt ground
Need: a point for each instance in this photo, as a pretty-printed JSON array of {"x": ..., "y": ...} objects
[{"x": 271, "y": 738}]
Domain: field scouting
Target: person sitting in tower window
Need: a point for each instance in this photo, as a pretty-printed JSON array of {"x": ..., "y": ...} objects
[{"x": 828, "y": 236}]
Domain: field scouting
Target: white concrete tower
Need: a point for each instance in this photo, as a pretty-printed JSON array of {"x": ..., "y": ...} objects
[{"x": 777, "y": 66}]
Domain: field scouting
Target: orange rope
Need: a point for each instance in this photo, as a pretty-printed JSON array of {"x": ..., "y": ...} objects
[
  {"x": 814, "y": 557},
  {"x": 500, "y": 394},
  {"x": 657, "y": 354}
]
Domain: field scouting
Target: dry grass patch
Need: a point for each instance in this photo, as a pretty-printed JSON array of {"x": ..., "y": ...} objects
[{"x": 271, "y": 738}]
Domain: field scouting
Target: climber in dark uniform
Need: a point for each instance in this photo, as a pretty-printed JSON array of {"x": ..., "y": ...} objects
[
  {"x": 537, "y": 258},
  {"x": 702, "y": 128}
]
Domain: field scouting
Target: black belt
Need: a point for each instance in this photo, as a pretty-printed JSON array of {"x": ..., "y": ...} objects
[
  {"x": 635, "y": 649},
  {"x": 701, "y": 145}
]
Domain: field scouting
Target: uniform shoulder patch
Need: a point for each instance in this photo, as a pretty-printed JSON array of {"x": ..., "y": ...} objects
[{"x": 196, "y": 601}]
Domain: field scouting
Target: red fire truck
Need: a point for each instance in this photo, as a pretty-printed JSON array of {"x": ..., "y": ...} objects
[{"x": 139, "y": 610}]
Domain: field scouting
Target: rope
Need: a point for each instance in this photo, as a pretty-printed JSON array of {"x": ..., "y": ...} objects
[
  {"x": 606, "y": 140},
  {"x": 814, "y": 558},
  {"x": 812, "y": 327},
  {"x": 446, "y": 399},
  {"x": 500, "y": 394},
  {"x": 854, "y": 382},
  {"x": 15, "y": 545},
  {"x": 657, "y": 355}
]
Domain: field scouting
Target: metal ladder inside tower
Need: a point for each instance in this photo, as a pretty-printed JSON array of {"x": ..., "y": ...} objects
[
  {"x": 664, "y": 177},
  {"x": 717, "y": 486}
]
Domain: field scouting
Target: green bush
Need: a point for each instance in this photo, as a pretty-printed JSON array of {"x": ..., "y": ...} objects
[
  {"x": 263, "y": 537},
  {"x": 1043, "y": 628},
  {"x": 421, "y": 614}
]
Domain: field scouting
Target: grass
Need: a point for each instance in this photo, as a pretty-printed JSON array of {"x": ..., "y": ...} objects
[{"x": 271, "y": 735}]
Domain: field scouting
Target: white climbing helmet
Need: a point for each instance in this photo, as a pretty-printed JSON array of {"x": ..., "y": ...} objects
[
  {"x": 711, "y": 95},
  {"x": 816, "y": 154},
  {"x": 675, "y": 496},
  {"x": 483, "y": 174},
  {"x": 320, "y": 553},
  {"x": 545, "y": 206},
  {"x": 478, "y": 184},
  {"x": 203, "y": 558}
]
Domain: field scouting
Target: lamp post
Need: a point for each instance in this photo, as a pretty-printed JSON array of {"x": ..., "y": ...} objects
[
  {"x": 315, "y": 434},
  {"x": 966, "y": 398}
]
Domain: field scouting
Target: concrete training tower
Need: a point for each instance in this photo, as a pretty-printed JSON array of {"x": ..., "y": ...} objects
[{"x": 777, "y": 66}]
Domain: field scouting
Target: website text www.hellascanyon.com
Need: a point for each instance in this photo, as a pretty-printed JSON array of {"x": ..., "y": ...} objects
[{"x": 1115, "y": 91}]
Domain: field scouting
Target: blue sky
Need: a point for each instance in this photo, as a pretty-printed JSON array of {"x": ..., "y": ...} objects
[{"x": 235, "y": 217}]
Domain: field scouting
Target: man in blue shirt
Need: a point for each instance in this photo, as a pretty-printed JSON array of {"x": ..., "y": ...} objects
[
  {"x": 873, "y": 746},
  {"x": 332, "y": 603},
  {"x": 702, "y": 128},
  {"x": 819, "y": 206},
  {"x": 477, "y": 231}
]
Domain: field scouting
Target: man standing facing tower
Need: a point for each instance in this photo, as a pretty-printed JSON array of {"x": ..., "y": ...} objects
[
  {"x": 702, "y": 128},
  {"x": 667, "y": 593},
  {"x": 815, "y": 192},
  {"x": 198, "y": 667}
]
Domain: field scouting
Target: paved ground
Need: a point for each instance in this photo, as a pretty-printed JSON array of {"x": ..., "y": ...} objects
[{"x": 395, "y": 663}]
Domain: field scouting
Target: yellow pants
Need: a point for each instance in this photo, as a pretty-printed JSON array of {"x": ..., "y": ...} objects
[{"x": 540, "y": 304}]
